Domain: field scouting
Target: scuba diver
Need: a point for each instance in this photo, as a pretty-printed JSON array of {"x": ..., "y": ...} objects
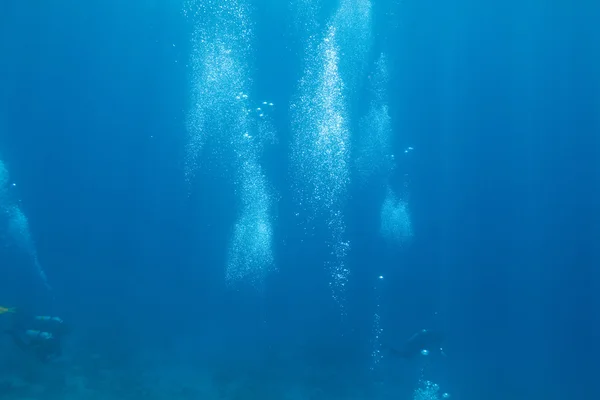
[
  {"x": 423, "y": 342},
  {"x": 39, "y": 335}
]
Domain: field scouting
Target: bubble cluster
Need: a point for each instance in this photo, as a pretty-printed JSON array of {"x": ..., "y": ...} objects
[
  {"x": 377, "y": 328},
  {"x": 221, "y": 43},
  {"x": 222, "y": 113},
  {"x": 376, "y": 354},
  {"x": 353, "y": 21},
  {"x": 305, "y": 17},
  {"x": 428, "y": 390},
  {"x": 18, "y": 228},
  {"x": 320, "y": 148},
  {"x": 377, "y": 331},
  {"x": 396, "y": 226},
  {"x": 320, "y": 151},
  {"x": 250, "y": 256},
  {"x": 16, "y": 225},
  {"x": 374, "y": 157},
  {"x": 373, "y": 151},
  {"x": 262, "y": 125},
  {"x": 320, "y": 123}
]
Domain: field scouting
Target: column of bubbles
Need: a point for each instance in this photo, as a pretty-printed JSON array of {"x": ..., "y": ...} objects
[
  {"x": 250, "y": 256},
  {"x": 320, "y": 152},
  {"x": 353, "y": 22},
  {"x": 376, "y": 354},
  {"x": 222, "y": 113},
  {"x": 373, "y": 157},
  {"x": 427, "y": 390},
  {"x": 218, "y": 71},
  {"x": 15, "y": 225},
  {"x": 374, "y": 161},
  {"x": 396, "y": 226}
]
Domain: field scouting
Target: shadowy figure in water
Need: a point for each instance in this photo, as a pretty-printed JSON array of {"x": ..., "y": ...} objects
[{"x": 38, "y": 335}]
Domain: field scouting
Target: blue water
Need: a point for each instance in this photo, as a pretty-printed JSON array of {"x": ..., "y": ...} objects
[{"x": 500, "y": 103}]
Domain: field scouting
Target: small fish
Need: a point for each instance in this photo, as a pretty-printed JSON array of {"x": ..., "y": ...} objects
[{"x": 4, "y": 310}]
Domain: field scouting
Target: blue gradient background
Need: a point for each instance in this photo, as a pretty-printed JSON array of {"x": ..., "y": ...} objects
[{"x": 501, "y": 102}]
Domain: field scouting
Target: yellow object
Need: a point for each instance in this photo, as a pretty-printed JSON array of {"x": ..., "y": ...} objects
[{"x": 4, "y": 310}]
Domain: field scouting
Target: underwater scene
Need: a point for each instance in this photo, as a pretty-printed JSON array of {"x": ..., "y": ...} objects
[{"x": 299, "y": 200}]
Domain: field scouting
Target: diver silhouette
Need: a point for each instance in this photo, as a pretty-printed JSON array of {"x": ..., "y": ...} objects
[{"x": 38, "y": 335}]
